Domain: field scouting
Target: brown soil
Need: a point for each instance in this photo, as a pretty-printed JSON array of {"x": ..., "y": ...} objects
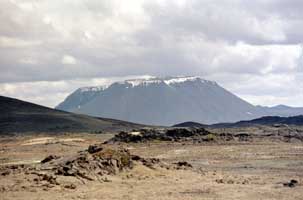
[{"x": 233, "y": 170}]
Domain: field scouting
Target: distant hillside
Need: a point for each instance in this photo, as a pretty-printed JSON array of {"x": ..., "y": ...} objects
[
  {"x": 272, "y": 120},
  {"x": 18, "y": 116},
  {"x": 281, "y": 110},
  {"x": 268, "y": 120},
  {"x": 190, "y": 124}
]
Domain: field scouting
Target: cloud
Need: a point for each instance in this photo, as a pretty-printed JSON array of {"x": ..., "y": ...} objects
[
  {"x": 9, "y": 42},
  {"x": 51, "y": 93},
  {"x": 235, "y": 42},
  {"x": 69, "y": 60}
]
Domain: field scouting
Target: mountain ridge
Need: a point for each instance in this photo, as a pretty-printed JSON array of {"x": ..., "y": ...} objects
[
  {"x": 167, "y": 101},
  {"x": 265, "y": 120}
]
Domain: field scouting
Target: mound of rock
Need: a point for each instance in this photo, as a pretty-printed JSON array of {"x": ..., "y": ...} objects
[
  {"x": 93, "y": 164},
  {"x": 173, "y": 134}
]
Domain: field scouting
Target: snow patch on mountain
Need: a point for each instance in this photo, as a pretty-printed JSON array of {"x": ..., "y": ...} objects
[
  {"x": 142, "y": 82},
  {"x": 94, "y": 88},
  {"x": 178, "y": 80},
  {"x": 149, "y": 80},
  {"x": 168, "y": 81}
]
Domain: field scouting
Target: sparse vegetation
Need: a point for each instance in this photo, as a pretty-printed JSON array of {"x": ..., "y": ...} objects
[{"x": 211, "y": 137}]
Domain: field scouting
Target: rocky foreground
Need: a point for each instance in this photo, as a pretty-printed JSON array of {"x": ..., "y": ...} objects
[
  {"x": 93, "y": 164},
  {"x": 173, "y": 164},
  {"x": 201, "y": 135}
]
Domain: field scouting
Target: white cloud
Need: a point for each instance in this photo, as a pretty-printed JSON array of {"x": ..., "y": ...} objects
[
  {"x": 253, "y": 59},
  {"x": 10, "y": 42},
  {"x": 69, "y": 60},
  {"x": 51, "y": 93}
]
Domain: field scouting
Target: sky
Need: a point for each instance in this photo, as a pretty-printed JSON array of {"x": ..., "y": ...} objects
[{"x": 50, "y": 48}]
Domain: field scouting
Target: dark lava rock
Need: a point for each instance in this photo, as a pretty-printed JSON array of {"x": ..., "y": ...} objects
[
  {"x": 5, "y": 172},
  {"x": 183, "y": 165},
  {"x": 172, "y": 134},
  {"x": 186, "y": 132},
  {"x": 148, "y": 162},
  {"x": 292, "y": 183},
  {"x": 243, "y": 137},
  {"x": 94, "y": 148},
  {"x": 70, "y": 186},
  {"x": 49, "y": 158},
  {"x": 50, "y": 178}
]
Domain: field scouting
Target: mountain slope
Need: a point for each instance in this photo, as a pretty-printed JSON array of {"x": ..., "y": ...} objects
[
  {"x": 282, "y": 110},
  {"x": 19, "y": 117},
  {"x": 162, "y": 102},
  {"x": 267, "y": 120}
]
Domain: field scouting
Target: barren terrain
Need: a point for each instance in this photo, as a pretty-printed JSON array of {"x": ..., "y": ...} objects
[{"x": 260, "y": 169}]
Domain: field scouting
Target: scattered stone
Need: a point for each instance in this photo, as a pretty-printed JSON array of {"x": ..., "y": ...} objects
[
  {"x": 50, "y": 179},
  {"x": 5, "y": 172},
  {"x": 183, "y": 165},
  {"x": 136, "y": 158},
  {"x": 292, "y": 183},
  {"x": 243, "y": 137},
  {"x": 49, "y": 158},
  {"x": 148, "y": 162},
  {"x": 3, "y": 189},
  {"x": 46, "y": 186},
  {"x": 70, "y": 186},
  {"x": 94, "y": 148},
  {"x": 106, "y": 180},
  {"x": 220, "y": 181}
]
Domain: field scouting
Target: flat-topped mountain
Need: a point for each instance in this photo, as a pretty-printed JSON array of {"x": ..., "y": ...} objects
[
  {"x": 167, "y": 101},
  {"x": 161, "y": 101},
  {"x": 18, "y": 116}
]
